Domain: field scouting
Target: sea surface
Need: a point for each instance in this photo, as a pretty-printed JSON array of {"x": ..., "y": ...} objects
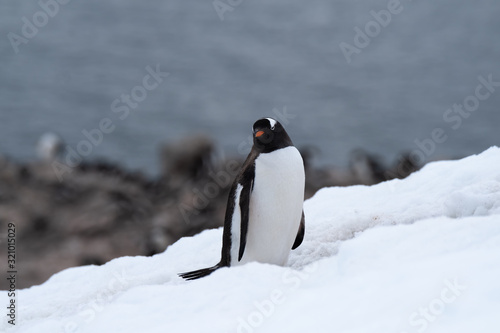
[{"x": 63, "y": 68}]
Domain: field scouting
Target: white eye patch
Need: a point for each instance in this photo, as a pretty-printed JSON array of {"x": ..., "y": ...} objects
[{"x": 272, "y": 122}]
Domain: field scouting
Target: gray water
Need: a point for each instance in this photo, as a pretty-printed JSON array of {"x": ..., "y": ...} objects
[{"x": 264, "y": 56}]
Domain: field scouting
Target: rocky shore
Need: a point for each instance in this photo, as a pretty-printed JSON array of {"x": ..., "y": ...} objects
[{"x": 99, "y": 211}]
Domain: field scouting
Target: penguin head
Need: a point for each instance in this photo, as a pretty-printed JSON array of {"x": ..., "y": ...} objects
[{"x": 269, "y": 135}]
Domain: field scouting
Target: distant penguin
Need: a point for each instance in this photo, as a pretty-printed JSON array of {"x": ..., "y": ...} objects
[
  {"x": 264, "y": 215},
  {"x": 49, "y": 146},
  {"x": 366, "y": 168}
]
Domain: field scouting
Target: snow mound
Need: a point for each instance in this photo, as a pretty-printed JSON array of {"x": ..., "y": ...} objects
[{"x": 435, "y": 269}]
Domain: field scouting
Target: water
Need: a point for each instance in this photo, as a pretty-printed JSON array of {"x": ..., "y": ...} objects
[{"x": 224, "y": 75}]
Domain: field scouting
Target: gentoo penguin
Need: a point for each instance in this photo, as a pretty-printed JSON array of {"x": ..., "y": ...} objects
[
  {"x": 264, "y": 215},
  {"x": 49, "y": 146}
]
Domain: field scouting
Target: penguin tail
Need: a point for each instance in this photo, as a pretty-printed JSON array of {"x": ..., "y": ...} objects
[{"x": 193, "y": 275}]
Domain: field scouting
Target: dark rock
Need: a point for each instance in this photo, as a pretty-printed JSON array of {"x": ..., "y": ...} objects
[
  {"x": 40, "y": 225},
  {"x": 366, "y": 168},
  {"x": 91, "y": 261},
  {"x": 189, "y": 158}
]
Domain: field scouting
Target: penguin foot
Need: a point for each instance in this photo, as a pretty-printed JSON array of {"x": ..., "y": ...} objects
[{"x": 193, "y": 275}]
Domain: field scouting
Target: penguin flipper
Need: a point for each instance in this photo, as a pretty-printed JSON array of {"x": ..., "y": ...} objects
[
  {"x": 193, "y": 275},
  {"x": 247, "y": 180},
  {"x": 300, "y": 233}
]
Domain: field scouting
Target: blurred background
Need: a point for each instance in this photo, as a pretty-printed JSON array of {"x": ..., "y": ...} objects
[{"x": 66, "y": 66}]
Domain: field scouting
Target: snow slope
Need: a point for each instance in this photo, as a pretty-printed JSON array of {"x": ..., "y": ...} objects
[{"x": 415, "y": 255}]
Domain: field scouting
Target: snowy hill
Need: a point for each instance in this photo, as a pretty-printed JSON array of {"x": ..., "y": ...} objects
[{"x": 415, "y": 255}]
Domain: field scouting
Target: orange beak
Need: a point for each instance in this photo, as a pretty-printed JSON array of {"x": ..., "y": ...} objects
[{"x": 259, "y": 133}]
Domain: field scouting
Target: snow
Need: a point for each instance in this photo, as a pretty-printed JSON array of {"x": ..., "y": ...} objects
[{"x": 420, "y": 254}]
